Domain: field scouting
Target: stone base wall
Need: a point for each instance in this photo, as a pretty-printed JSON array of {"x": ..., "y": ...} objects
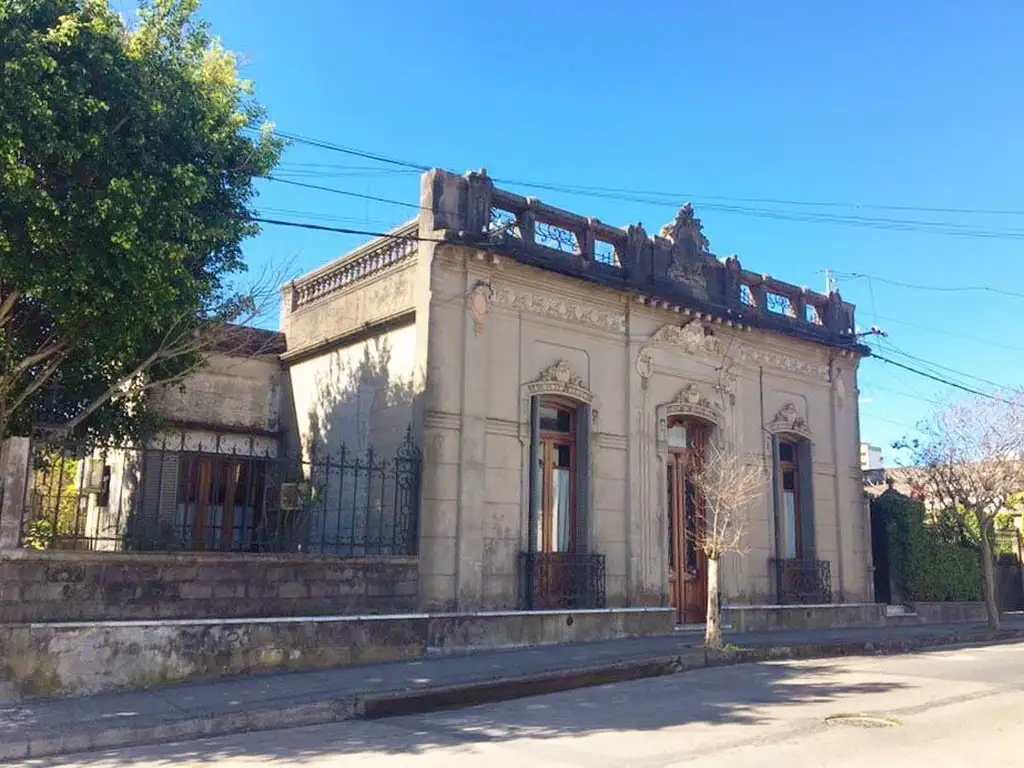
[
  {"x": 77, "y": 659},
  {"x": 81, "y": 659},
  {"x": 950, "y": 613},
  {"x": 766, "y": 618},
  {"x": 96, "y": 586},
  {"x": 461, "y": 632}
]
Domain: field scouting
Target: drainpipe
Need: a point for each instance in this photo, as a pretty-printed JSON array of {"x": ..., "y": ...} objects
[{"x": 832, "y": 373}]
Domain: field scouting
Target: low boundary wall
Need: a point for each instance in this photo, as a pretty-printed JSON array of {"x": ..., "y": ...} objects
[{"x": 81, "y": 658}]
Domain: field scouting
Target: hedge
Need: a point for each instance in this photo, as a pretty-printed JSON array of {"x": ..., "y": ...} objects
[{"x": 924, "y": 567}]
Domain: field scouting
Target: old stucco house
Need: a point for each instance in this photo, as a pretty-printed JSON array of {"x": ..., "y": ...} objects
[
  {"x": 562, "y": 377},
  {"x": 498, "y": 406}
]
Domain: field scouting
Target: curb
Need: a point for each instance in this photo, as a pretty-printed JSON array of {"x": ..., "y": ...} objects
[{"x": 372, "y": 706}]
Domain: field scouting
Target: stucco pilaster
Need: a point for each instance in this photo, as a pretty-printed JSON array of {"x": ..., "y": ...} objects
[{"x": 472, "y": 496}]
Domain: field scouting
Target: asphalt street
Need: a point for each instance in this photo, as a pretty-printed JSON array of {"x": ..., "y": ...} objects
[{"x": 951, "y": 707}]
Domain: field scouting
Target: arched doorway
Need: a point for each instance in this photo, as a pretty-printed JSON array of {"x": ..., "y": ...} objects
[{"x": 686, "y": 438}]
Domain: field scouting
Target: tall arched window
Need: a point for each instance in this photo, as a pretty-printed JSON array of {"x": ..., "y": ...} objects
[
  {"x": 791, "y": 533},
  {"x": 555, "y": 476},
  {"x": 794, "y": 497}
]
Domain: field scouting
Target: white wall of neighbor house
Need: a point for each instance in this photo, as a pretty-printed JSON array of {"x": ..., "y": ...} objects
[
  {"x": 353, "y": 407},
  {"x": 230, "y": 391},
  {"x": 361, "y": 395},
  {"x": 475, "y": 505}
]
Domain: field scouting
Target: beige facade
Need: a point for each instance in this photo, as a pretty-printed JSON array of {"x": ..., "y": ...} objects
[{"x": 463, "y": 323}]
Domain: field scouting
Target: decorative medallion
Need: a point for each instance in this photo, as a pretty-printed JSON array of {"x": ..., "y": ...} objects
[{"x": 478, "y": 304}]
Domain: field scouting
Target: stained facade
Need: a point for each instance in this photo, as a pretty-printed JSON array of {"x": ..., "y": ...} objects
[{"x": 562, "y": 377}]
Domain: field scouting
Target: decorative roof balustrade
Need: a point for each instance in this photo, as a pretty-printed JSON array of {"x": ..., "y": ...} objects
[
  {"x": 675, "y": 267},
  {"x": 397, "y": 247}
]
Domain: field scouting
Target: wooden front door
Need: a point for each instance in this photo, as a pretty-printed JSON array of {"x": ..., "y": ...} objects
[{"x": 688, "y": 572}]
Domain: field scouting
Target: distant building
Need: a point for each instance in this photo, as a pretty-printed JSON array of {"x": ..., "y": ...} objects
[{"x": 870, "y": 457}]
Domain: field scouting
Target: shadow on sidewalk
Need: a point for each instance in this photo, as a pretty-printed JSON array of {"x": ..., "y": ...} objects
[{"x": 730, "y": 695}]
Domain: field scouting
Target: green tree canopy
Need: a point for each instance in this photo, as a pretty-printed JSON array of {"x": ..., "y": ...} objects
[{"x": 127, "y": 160}]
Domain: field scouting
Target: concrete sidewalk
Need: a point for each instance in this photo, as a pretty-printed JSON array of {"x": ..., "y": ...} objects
[{"x": 62, "y": 726}]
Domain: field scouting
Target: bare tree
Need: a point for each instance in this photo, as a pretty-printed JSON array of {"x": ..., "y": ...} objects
[
  {"x": 970, "y": 464},
  {"x": 182, "y": 350},
  {"x": 726, "y": 486}
]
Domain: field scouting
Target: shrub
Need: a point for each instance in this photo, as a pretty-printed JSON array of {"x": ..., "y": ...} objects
[{"x": 925, "y": 566}]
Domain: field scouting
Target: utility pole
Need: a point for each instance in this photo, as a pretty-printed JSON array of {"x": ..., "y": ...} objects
[{"x": 831, "y": 284}]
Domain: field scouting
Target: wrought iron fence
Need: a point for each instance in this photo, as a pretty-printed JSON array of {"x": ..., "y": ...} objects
[
  {"x": 562, "y": 580},
  {"x": 802, "y": 582},
  {"x": 228, "y": 495}
]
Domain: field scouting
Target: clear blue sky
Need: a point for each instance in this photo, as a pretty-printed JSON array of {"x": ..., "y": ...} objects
[{"x": 866, "y": 104}]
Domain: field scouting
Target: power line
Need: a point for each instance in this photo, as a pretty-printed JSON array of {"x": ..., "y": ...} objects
[
  {"x": 319, "y": 216},
  {"x": 582, "y": 189},
  {"x": 370, "y": 233},
  {"x": 865, "y": 416},
  {"x": 642, "y": 196},
  {"x": 344, "y": 192},
  {"x": 341, "y": 230},
  {"x": 901, "y": 393},
  {"x": 312, "y": 167},
  {"x": 940, "y": 380},
  {"x": 973, "y": 339},
  {"x": 946, "y": 368},
  {"x": 299, "y": 139},
  {"x": 944, "y": 289},
  {"x": 911, "y": 225}
]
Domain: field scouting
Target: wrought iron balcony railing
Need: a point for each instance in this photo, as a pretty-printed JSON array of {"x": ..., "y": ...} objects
[
  {"x": 803, "y": 582},
  {"x": 562, "y": 580}
]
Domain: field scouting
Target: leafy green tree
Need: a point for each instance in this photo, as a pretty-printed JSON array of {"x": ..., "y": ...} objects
[
  {"x": 55, "y": 500},
  {"x": 127, "y": 161}
]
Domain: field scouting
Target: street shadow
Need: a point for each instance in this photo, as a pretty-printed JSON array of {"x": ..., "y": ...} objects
[{"x": 743, "y": 694}]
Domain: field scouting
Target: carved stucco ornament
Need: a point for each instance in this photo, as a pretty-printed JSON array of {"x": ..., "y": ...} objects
[
  {"x": 788, "y": 420},
  {"x": 689, "y": 244},
  {"x": 560, "y": 379},
  {"x": 695, "y": 339},
  {"x": 692, "y": 338},
  {"x": 559, "y": 308},
  {"x": 478, "y": 304},
  {"x": 840, "y": 387},
  {"x": 557, "y": 379},
  {"x": 689, "y": 401}
]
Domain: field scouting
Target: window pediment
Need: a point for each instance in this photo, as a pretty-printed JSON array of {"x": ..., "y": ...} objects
[
  {"x": 560, "y": 379},
  {"x": 789, "y": 421}
]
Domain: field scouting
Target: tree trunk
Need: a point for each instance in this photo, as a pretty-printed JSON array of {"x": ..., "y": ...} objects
[
  {"x": 713, "y": 628},
  {"x": 988, "y": 568}
]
